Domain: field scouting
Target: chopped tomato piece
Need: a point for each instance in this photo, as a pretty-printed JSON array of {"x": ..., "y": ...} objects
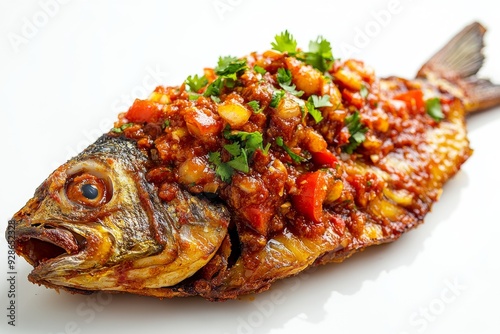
[
  {"x": 311, "y": 192},
  {"x": 353, "y": 98},
  {"x": 324, "y": 158},
  {"x": 144, "y": 111},
  {"x": 258, "y": 217},
  {"x": 414, "y": 99}
]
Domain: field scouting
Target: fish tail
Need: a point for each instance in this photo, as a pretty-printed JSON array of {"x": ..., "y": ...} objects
[{"x": 455, "y": 66}]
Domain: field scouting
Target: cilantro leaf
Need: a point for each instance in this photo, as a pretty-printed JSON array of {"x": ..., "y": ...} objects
[
  {"x": 227, "y": 69},
  {"x": 228, "y": 66},
  {"x": 295, "y": 157},
  {"x": 259, "y": 69},
  {"x": 433, "y": 109},
  {"x": 193, "y": 96},
  {"x": 214, "y": 88},
  {"x": 315, "y": 113},
  {"x": 284, "y": 42},
  {"x": 240, "y": 162},
  {"x": 255, "y": 105},
  {"x": 320, "y": 54},
  {"x": 195, "y": 83},
  {"x": 224, "y": 171},
  {"x": 233, "y": 148},
  {"x": 357, "y": 131},
  {"x": 363, "y": 91},
  {"x": 284, "y": 78},
  {"x": 251, "y": 140},
  {"x": 241, "y": 150},
  {"x": 314, "y": 102},
  {"x": 323, "y": 101},
  {"x": 292, "y": 90},
  {"x": 223, "y": 62},
  {"x": 277, "y": 96}
]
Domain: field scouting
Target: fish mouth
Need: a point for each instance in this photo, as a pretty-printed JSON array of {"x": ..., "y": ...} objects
[{"x": 40, "y": 243}]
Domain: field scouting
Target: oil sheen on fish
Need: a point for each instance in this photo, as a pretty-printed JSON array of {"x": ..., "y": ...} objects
[{"x": 254, "y": 171}]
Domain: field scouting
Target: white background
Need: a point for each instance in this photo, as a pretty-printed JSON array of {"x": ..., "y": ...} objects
[{"x": 64, "y": 82}]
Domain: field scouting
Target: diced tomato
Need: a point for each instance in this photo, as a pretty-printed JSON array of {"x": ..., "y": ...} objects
[
  {"x": 144, "y": 111},
  {"x": 258, "y": 217},
  {"x": 311, "y": 193},
  {"x": 353, "y": 98},
  {"x": 414, "y": 99},
  {"x": 324, "y": 158}
]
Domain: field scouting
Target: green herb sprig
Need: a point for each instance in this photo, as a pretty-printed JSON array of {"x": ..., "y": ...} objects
[
  {"x": 295, "y": 157},
  {"x": 319, "y": 56},
  {"x": 241, "y": 149},
  {"x": 357, "y": 131},
  {"x": 434, "y": 109}
]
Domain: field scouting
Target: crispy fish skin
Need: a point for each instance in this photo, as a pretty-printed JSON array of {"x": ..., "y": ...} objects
[{"x": 140, "y": 238}]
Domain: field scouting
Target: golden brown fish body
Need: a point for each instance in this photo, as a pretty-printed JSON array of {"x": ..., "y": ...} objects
[{"x": 253, "y": 172}]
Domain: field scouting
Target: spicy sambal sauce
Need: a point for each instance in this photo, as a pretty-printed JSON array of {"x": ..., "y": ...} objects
[{"x": 282, "y": 137}]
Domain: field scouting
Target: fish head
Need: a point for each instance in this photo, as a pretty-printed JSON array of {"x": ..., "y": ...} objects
[{"x": 96, "y": 224}]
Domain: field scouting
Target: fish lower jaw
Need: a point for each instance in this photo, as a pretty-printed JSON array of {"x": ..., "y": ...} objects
[{"x": 42, "y": 246}]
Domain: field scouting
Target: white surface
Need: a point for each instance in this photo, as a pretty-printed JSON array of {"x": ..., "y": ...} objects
[{"x": 67, "y": 82}]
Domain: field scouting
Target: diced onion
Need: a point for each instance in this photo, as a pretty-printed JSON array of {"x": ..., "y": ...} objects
[
  {"x": 234, "y": 113},
  {"x": 288, "y": 108},
  {"x": 193, "y": 171}
]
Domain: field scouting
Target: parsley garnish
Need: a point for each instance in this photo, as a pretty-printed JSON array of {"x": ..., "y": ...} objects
[
  {"x": 295, "y": 157},
  {"x": 224, "y": 171},
  {"x": 285, "y": 81},
  {"x": 314, "y": 102},
  {"x": 259, "y": 69},
  {"x": 251, "y": 140},
  {"x": 277, "y": 96},
  {"x": 166, "y": 124},
  {"x": 284, "y": 77},
  {"x": 229, "y": 66},
  {"x": 284, "y": 42},
  {"x": 240, "y": 161},
  {"x": 227, "y": 69},
  {"x": 319, "y": 102},
  {"x": 195, "y": 83},
  {"x": 223, "y": 62},
  {"x": 433, "y": 109},
  {"x": 255, "y": 105},
  {"x": 320, "y": 54},
  {"x": 243, "y": 146},
  {"x": 363, "y": 91},
  {"x": 121, "y": 128},
  {"x": 357, "y": 131},
  {"x": 214, "y": 88}
]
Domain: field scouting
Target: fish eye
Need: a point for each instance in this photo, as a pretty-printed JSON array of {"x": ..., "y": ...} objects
[{"x": 88, "y": 190}]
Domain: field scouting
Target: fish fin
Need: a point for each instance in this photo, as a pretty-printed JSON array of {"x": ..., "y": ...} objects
[
  {"x": 455, "y": 66},
  {"x": 480, "y": 94}
]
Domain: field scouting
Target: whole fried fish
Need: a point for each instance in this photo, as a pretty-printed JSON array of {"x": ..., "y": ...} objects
[{"x": 254, "y": 171}]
